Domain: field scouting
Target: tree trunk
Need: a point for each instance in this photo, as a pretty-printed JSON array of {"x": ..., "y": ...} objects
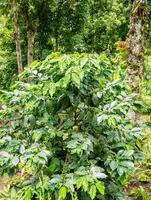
[
  {"x": 56, "y": 49},
  {"x": 31, "y": 40},
  {"x": 17, "y": 37},
  {"x": 136, "y": 44},
  {"x": 30, "y": 35},
  {"x": 136, "y": 47},
  {"x": 32, "y": 29}
]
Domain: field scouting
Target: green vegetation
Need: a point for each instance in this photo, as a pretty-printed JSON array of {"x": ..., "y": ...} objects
[
  {"x": 67, "y": 124},
  {"x": 75, "y": 100},
  {"x": 59, "y": 25}
]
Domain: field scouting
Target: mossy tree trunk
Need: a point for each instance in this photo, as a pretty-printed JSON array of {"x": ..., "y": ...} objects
[
  {"x": 136, "y": 48},
  {"x": 136, "y": 43}
]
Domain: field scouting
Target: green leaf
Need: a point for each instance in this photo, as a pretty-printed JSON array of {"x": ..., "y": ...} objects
[
  {"x": 28, "y": 194},
  {"x": 15, "y": 161},
  {"x": 85, "y": 184},
  {"x": 54, "y": 165},
  {"x": 13, "y": 194},
  {"x": 97, "y": 172},
  {"x": 113, "y": 165},
  {"x": 83, "y": 62},
  {"x": 79, "y": 182},
  {"x": 65, "y": 80},
  {"x": 33, "y": 63},
  {"x": 127, "y": 164},
  {"x": 111, "y": 121},
  {"x": 44, "y": 154},
  {"x": 62, "y": 192},
  {"x": 4, "y": 154},
  {"x": 76, "y": 79},
  {"x": 100, "y": 187},
  {"x": 92, "y": 191},
  {"x": 22, "y": 149},
  {"x": 72, "y": 144},
  {"x": 121, "y": 170},
  {"x": 52, "y": 89},
  {"x": 82, "y": 182},
  {"x": 37, "y": 136},
  {"x": 32, "y": 120}
]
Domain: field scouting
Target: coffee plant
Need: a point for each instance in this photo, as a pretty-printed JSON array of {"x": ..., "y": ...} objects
[{"x": 66, "y": 132}]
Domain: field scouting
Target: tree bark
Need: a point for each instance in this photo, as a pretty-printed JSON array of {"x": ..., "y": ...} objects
[
  {"x": 17, "y": 37},
  {"x": 136, "y": 47},
  {"x": 136, "y": 44},
  {"x": 31, "y": 32},
  {"x": 56, "y": 49},
  {"x": 32, "y": 29},
  {"x": 31, "y": 39}
]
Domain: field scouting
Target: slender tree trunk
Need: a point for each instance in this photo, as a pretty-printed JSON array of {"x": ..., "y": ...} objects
[
  {"x": 41, "y": 28},
  {"x": 32, "y": 30},
  {"x": 31, "y": 40},
  {"x": 136, "y": 46},
  {"x": 56, "y": 44},
  {"x": 17, "y": 37}
]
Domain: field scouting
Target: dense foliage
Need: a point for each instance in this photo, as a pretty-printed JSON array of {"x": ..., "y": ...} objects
[
  {"x": 66, "y": 26},
  {"x": 67, "y": 130},
  {"x": 71, "y": 122},
  {"x": 61, "y": 25}
]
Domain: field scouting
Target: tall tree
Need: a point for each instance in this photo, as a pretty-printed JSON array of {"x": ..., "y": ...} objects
[
  {"x": 17, "y": 36},
  {"x": 32, "y": 14},
  {"x": 136, "y": 47},
  {"x": 136, "y": 43}
]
